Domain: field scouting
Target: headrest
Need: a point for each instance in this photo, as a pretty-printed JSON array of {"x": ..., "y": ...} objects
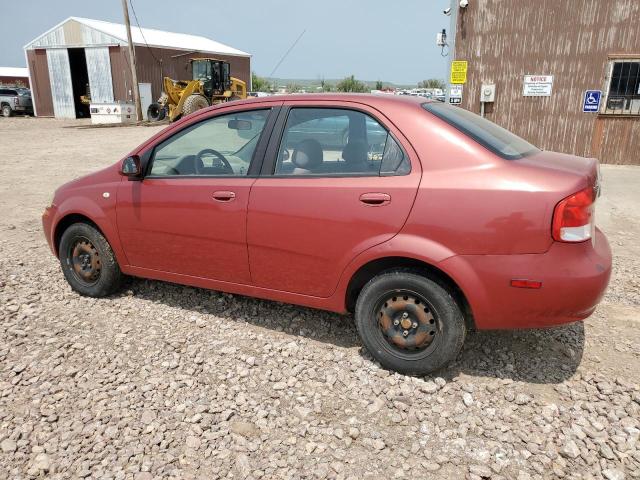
[
  {"x": 308, "y": 154},
  {"x": 355, "y": 151}
]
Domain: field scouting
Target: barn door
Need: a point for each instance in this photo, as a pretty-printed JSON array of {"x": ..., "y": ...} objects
[
  {"x": 61, "y": 86},
  {"x": 99, "y": 70}
]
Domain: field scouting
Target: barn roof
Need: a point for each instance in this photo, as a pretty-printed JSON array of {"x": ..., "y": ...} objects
[
  {"x": 108, "y": 32},
  {"x": 14, "y": 72}
]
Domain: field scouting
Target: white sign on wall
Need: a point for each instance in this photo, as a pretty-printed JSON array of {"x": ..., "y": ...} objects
[
  {"x": 537, "y": 85},
  {"x": 455, "y": 94}
]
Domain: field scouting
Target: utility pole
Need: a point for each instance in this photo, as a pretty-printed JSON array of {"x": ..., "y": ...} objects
[{"x": 132, "y": 64}]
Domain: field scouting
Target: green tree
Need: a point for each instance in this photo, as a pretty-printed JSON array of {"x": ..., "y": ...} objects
[
  {"x": 350, "y": 84},
  {"x": 293, "y": 87},
  {"x": 379, "y": 85},
  {"x": 259, "y": 84},
  {"x": 325, "y": 86},
  {"x": 432, "y": 83}
]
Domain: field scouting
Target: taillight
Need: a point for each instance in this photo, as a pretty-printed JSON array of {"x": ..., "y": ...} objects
[
  {"x": 573, "y": 217},
  {"x": 15, "y": 100}
]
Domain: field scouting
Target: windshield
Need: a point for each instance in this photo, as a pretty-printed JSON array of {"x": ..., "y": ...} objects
[{"x": 495, "y": 138}]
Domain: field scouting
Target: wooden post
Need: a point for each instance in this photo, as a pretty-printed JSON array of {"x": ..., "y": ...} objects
[{"x": 132, "y": 63}]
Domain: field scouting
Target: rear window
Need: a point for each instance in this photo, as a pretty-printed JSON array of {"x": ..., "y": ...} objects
[{"x": 486, "y": 133}]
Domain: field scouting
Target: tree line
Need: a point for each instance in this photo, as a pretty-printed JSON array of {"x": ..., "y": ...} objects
[{"x": 348, "y": 84}]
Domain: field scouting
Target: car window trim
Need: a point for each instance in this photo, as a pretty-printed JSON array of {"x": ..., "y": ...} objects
[
  {"x": 271, "y": 156},
  {"x": 261, "y": 146}
]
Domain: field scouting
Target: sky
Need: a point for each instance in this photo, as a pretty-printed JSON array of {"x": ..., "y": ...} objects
[{"x": 371, "y": 39}]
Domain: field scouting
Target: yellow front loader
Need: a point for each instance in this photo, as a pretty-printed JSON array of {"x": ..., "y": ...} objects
[{"x": 212, "y": 83}]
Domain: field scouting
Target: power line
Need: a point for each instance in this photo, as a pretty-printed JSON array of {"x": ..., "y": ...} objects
[
  {"x": 133, "y": 10},
  {"x": 287, "y": 53}
]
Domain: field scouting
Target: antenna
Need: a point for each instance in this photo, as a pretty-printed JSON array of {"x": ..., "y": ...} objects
[{"x": 287, "y": 53}]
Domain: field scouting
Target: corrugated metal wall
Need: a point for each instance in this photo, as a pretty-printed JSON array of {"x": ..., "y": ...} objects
[
  {"x": 120, "y": 74},
  {"x": 163, "y": 63},
  {"x": 154, "y": 63},
  {"x": 41, "y": 88},
  {"x": 61, "y": 86},
  {"x": 99, "y": 70},
  {"x": 503, "y": 40},
  {"x": 19, "y": 81}
]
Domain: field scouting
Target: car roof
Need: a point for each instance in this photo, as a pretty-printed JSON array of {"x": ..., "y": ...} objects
[{"x": 364, "y": 98}]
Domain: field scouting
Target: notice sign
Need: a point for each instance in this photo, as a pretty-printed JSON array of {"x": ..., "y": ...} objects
[
  {"x": 455, "y": 94},
  {"x": 458, "y": 72},
  {"x": 537, "y": 85}
]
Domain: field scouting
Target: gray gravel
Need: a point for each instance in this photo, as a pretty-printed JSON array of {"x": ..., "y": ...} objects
[{"x": 165, "y": 381}]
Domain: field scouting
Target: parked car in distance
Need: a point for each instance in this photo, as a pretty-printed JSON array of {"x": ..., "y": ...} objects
[
  {"x": 15, "y": 100},
  {"x": 452, "y": 223}
]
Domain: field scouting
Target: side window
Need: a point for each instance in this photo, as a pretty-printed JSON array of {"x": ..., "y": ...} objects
[
  {"x": 337, "y": 142},
  {"x": 222, "y": 145}
]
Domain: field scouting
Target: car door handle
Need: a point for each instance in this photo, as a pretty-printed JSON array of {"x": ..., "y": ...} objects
[
  {"x": 224, "y": 196},
  {"x": 375, "y": 199}
]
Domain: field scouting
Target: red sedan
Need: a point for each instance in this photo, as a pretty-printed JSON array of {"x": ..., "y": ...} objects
[{"x": 423, "y": 219}]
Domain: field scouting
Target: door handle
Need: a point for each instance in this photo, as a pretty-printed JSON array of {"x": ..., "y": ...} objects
[
  {"x": 375, "y": 199},
  {"x": 224, "y": 196}
]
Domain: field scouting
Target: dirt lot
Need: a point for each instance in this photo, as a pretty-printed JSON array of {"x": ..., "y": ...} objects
[{"x": 164, "y": 381}]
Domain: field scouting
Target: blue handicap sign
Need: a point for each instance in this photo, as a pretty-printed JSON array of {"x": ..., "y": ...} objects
[{"x": 591, "y": 101}]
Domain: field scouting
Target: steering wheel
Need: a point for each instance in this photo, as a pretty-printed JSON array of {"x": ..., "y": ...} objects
[{"x": 225, "y": 163}]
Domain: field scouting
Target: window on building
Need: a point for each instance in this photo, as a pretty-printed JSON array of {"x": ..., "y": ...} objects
[{"x": 623, "y": 88}]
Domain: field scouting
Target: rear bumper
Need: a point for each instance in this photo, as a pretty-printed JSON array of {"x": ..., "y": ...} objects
[
  {"x": 574, "y": 278},
  {"x": 21, "y": 108}
]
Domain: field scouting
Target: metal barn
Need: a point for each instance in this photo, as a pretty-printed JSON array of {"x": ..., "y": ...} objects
[{"x": 80, "y": 55}]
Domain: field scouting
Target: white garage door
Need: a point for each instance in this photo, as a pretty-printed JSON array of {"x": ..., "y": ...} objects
[
  {"x": 99, "y": 70},
  {"x": 61, "y": 87}
]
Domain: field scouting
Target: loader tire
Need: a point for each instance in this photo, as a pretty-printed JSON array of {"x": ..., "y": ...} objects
[
  {"x": 193, "y": 104},
  {"x": 156, "y": 112}
]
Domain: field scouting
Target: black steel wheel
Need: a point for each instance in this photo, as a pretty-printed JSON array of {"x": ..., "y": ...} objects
[
  {"x": 88, "y": 262},
  {"x": 409, "y": 323}
]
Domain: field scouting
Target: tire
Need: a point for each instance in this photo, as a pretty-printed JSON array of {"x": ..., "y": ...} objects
[
  {"x": 193, "y": 104},
  {"x": 6, "y": 111},
  {"x": 78, "y": 241},
  {"x": 156, "y": 112},
  {"x": 435, "y": 343}
]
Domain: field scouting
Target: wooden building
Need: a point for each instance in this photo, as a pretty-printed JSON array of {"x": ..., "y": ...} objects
[
  {"x": 548, "y": 60},
  {"x": 14, "y": 77}
]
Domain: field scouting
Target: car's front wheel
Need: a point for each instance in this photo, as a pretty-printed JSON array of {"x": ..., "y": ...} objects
[
  {"x": 88, "y": 262},
  {"x": 409, "y": 323}
]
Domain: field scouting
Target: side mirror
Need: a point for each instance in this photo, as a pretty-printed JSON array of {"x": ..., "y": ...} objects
[{"x": 131, "y": 167}]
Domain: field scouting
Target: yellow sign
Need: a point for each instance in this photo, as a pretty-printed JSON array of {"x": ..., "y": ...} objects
[{"x": 458, "y": 72}]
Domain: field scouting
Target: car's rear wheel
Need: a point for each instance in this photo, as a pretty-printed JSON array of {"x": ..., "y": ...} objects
[
  {"x": 6, "y": 111},
  {"x": 88, "y": 262},
  {"x": 409, "y": 323}
]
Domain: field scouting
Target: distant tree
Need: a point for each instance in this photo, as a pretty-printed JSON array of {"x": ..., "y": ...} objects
[
  {"x": 259, "y": 84},
  {"x": 325, "y": 86},
  {"x": 379, "y": 85},
  {"x": 432, "y": 83},
  {"x": 350, "y": 84},
  {"x": 293, "y": 87}
]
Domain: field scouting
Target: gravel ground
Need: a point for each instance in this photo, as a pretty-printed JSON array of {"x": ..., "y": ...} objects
[{"x": 165, "y": 381}]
